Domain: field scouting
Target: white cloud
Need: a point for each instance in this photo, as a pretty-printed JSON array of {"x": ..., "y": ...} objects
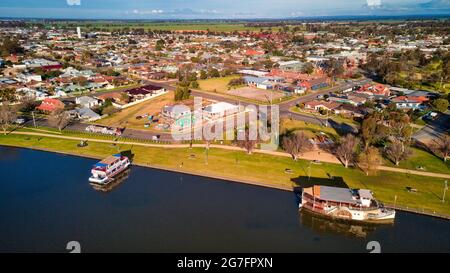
[
  {"x": 297, "y": 13},
  {"x": 73, "y": 2},
  {"x": 373, "y": 3},
  {"x": 153, "y": 11}
]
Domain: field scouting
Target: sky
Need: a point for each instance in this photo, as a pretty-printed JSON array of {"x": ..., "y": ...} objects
[{"x": 215, "y": 9}]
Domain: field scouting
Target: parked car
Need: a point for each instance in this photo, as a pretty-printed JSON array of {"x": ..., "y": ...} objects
[{"x": 20, "y": 121}]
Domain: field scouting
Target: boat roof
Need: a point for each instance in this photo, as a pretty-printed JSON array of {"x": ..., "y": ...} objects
[
  {"x": 342, "y": 195},
  {"x": 365, "y": 194},
  {"x": 109, "y": 160}
]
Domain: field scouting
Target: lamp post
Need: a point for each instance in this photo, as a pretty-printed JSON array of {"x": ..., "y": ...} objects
[
  {"x": 309, "y": 170},
  {"x": 445, "y": 189},
  {"x": 34, "y": 120}
]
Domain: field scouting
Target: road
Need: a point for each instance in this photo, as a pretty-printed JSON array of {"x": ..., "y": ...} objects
[{"x": 434, "y": 130}]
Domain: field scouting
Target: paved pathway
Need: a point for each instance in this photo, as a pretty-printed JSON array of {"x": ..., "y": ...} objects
[{"x": 314, "y": 155}]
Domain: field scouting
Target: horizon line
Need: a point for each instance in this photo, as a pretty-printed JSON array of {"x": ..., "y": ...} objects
[{"x": 298, "y": 18}]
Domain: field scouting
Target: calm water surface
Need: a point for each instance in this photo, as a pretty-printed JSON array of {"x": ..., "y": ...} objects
[{"x": 46, "y": 201}]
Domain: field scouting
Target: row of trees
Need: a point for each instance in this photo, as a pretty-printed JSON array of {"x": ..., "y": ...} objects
[
  {"x": 387, "y": 134},
  {"x": 10, "y": 46},
  {"x": 410, "y": 68}
]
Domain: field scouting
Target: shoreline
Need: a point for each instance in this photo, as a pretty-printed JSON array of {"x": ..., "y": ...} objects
[
  {"x": 225, "y": 179},
  {"x": 228, "y": 180},
  {"x": 310, "y": 156}
]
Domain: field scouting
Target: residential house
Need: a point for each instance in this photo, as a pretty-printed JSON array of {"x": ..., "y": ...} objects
[
  {"x": 50, "y": 105},
  {"x": 143, "y": 92},
  {"x": 86, "y": 102},
  {"x": 176, "y": 111},
  {"x": 315, "y": 83},
  {"x": 295, "y": 66},
  {"x": 318, "y": 105},
  {"x": 375, "y": 90},
  {"x": 220, "y": 109},
  {"x": 349, "y": 99},
  {"x": 409, "y": 102},
  {"x": 350, "y": 111},
  {"x": 85, "y": 114}
]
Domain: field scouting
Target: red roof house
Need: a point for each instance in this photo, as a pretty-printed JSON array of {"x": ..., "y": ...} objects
[
  {"x": 377, "y": 89},
  {"x": 252, "y": 52},
  {"x": 50, "y": 105}
]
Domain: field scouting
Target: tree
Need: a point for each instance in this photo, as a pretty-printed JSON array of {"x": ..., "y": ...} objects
[
  {"x": 236, "y": 82},
  {"x": 59, "y": 119},
  {"x": 7, "y": 116},
  {"x": 125, "y": 97},
  {"x": 334, "y": 68},
  {"x": 10, "y": 46},
  {"x": 308, "y": 68},
  {"x": 247, "y": 143},
  {"x": 109, "y": 110},
  {"x": 182, "y": 93},
  {"x": 195, "y": 84},
  {"x": 397, "y": 152},
  {"x": 368, "y": 130},
  {"x": 440, "y": 105},
  {"x": 346, "y": 149},
  {"x": 296, "y": 144},
  {"x": 442, "y": 147},
  {"x": 203, "y": 75},
  {"x": 400, "y": 132},
  {"x": 213, "y": 73},
  {"x": 159, "y": 45},
  {"x": 369, "y": 160},
  {"x": 27, "y": 104},
  {"x": 7, "y": 94},
  {"x": 81, "y": 81}
]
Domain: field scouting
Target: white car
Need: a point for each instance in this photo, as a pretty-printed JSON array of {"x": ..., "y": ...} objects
[{"x": 19, "y": 121}]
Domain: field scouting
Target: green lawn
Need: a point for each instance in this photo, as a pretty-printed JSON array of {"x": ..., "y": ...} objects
[
  {"x": 257, "y": 167},
  {"x": 219, "y": 85},
  {"x": 288, "y": 125},
  {"x": 336, "y": 118},
  {"x": 421, "y": 158}
]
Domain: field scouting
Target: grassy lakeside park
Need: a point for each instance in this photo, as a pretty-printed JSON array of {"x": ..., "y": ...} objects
[{"x": 258, "y": 168}]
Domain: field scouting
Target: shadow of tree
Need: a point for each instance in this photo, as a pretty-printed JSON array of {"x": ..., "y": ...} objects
[
  {"x": 342, "y": 128},
  {"x": 331, "y": 181},
  {"x": 128, "y": 154}
]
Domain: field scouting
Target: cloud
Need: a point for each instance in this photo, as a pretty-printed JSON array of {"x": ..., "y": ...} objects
[
  {"x": 143, "y": 12},
  {"x": 374, "y": 3},
  {"x": 297, "y": 14},
  {"x": 74, "y": 2}
]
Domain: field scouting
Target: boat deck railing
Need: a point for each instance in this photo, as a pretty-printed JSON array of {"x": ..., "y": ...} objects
[{"x": 310, "y": 200}]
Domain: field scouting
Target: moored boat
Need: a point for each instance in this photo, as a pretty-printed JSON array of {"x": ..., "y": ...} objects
[
  {"x": 104, "y": 171},
  {"x": 346, "y": 204},
  {"x": 112, "y": 183}
]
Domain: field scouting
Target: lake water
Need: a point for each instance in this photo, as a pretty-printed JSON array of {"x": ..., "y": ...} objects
[{"x": 46, "y": 201}]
